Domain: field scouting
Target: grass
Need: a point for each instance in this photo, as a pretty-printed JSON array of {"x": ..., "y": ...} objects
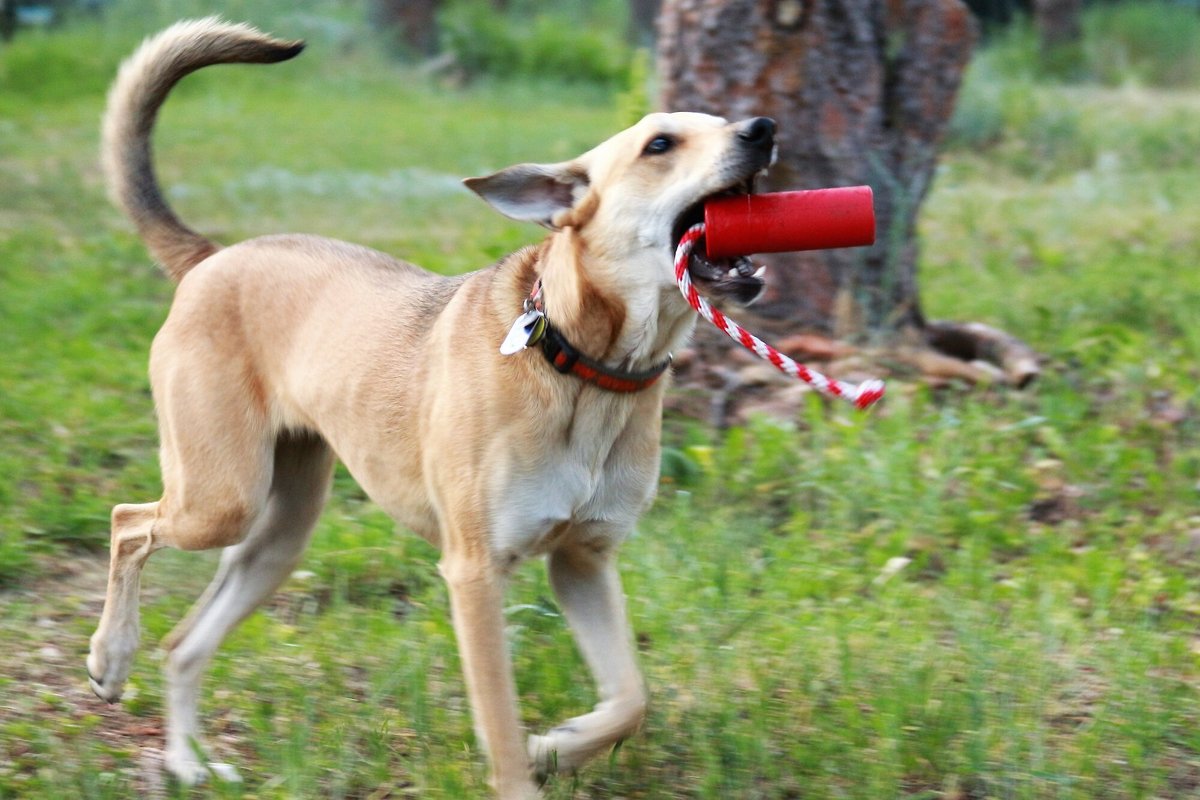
[{"x": 967, "y": 594}]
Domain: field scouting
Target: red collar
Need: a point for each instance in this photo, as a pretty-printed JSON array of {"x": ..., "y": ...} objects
[{"x": 566, "y": 359}]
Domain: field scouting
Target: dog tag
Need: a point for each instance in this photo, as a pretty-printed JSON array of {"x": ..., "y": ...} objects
[{"x": 527, "y": 329}]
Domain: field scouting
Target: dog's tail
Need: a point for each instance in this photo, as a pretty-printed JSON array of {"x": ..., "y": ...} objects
[{"x": 133, "y": 102}]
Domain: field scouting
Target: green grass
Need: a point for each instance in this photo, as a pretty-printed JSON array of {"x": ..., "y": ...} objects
[
  {"x": 1148, "y": 43},
  {"x": 1039, "y": 642}
]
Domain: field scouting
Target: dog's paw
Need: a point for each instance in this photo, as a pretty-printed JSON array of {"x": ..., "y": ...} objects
[
  {"x": 543, "y": 756},
  {"x": 554, "y": 752},
  {"x": 191, "y": 771},
  {"x": 106, "y": 693},
  {"x": 568, "y": 746},
  {"x": 109, "y": 667}
]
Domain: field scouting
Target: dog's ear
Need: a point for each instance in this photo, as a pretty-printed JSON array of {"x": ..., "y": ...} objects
[{"x": 541, "y": 193}]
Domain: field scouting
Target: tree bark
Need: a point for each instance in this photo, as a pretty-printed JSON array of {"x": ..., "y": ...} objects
[
  {"x": 412, "y": 24},
  {"x": 863, "y": 91},
  {"x": 8, "y": 19},
  {"x": 1058, "y": 22},
  {"x": 1060, "y": 36},
  {"x": 996, "y": 14}
]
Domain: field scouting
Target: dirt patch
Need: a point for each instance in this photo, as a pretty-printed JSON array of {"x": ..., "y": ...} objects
[{"x": 47, "y": 709}]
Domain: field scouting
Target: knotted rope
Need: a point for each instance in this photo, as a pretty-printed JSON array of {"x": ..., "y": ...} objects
[{"x": 863, "y": 395}]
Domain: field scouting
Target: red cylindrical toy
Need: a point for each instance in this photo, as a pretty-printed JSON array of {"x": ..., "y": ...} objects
[{"x": 785, "y": 221}]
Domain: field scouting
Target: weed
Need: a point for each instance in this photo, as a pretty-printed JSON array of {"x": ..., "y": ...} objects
[
  {"x": 546, "y": 47},
  {"x": 1152, "y": 43}
]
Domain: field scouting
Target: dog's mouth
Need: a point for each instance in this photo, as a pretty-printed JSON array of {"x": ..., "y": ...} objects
[{"x": 735, "y": 279}]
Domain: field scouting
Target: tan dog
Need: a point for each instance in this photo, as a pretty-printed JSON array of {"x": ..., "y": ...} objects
[{"x": 282, "y": 351}]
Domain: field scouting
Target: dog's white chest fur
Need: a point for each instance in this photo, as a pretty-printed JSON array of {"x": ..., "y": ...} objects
[{"x": 589, "y": 486}]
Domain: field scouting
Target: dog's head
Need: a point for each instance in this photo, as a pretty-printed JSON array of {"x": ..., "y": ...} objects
[{"x": 633, "y": 196}]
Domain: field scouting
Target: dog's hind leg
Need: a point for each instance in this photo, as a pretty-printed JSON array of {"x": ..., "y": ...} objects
[
  {"x": 587, "y": 585},
  {"x": 138, "y": 531},
  {"x": 215, "y": 483},
  {"x": 116, "y": 637},
  {"x": 249, "y": 573}
]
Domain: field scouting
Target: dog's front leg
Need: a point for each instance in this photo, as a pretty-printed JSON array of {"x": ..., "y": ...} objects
[
  {"x": 477, "y": 607},
  {"x": 585, "y": 580}
]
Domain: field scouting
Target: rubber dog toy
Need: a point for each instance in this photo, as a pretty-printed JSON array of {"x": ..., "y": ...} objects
[
  {"x": 781, "y": 222},
  {"x": 773, "y": 223}
]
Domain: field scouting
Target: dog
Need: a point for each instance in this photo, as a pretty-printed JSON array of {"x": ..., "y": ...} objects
[{"x": 283, "y": 352}]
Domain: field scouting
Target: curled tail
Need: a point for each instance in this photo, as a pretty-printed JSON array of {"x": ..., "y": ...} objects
[{"x": 141, "y": 87}]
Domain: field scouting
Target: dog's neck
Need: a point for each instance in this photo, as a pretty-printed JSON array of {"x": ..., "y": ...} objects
[{"x": 607, "y": 309}]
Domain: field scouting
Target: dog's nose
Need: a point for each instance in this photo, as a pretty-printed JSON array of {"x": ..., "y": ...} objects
[{"x": 758, "y": 133}]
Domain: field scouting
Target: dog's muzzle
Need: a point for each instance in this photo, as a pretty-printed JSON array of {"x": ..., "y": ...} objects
[{"x": 735, "y": 279}]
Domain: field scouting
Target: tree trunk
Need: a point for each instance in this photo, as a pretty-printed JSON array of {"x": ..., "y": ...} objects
[
  {"x": 1058, "y": 22},
  {"x": 1060, "y": 36},
  {"x": 995, "y": 14},
  {"x": 411, "y": 24},
  {"x": 8, "y": 19},
  {"x": 863, "y": 91}
]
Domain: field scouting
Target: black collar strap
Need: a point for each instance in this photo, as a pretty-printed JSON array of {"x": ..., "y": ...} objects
[{"x": 567, "y": 360}]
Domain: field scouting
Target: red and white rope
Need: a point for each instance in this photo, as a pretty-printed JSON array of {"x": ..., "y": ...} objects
[{"x": 863, "y": 395}]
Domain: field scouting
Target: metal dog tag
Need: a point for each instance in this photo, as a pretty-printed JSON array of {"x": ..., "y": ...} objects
[{"x": 525, "y": 330}]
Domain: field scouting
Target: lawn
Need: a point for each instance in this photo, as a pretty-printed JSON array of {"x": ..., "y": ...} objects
[{"x": 968, "y": 593}]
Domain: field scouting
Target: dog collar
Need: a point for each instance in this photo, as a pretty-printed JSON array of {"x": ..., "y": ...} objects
[
  {"x": 533, "y": 328},
  {"x": 567, "y": 360}
]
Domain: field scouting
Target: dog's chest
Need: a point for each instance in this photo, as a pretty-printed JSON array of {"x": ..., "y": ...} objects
[{"x": 594, "y": 485}]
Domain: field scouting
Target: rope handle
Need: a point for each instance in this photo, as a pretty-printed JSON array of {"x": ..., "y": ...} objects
[{"x": 863, "y": 395}]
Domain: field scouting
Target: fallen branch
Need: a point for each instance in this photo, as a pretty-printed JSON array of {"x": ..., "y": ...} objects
[
  {"x": 738, "y": 385},
  {"x": 974, "y": 342}
]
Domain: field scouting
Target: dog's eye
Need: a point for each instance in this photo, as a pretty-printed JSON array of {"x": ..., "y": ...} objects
[{"x": 658, "y": 145}]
